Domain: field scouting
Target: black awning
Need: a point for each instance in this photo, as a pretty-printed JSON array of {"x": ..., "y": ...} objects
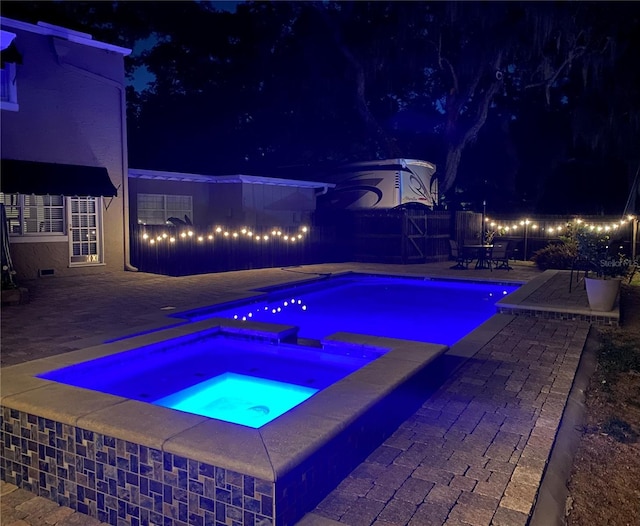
[
  {"x": 10, "y": 54},
  {"x": 29, "y": 177}
]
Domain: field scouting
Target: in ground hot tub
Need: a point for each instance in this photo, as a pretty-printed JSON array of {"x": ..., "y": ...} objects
[
  {"x": 241, "y": 380},
  {"x": 120, "y": 455}
]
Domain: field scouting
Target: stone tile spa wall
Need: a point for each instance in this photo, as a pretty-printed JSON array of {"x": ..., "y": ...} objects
[{"x": 121, "y": 482}]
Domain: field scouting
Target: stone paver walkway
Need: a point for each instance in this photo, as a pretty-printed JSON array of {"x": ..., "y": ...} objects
[
  {"x": 19, "y": 507},
  {"x": 476, "y": 451},
  {"x": 473, "y": 454}
]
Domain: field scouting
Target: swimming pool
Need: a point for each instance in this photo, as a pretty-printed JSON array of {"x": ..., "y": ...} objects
[
  {"x": 425, "y": 310},
  {"x": 243, "y": 381},
  {"x": 120, "y": 458}
]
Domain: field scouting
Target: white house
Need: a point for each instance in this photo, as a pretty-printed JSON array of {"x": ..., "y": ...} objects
[{"x": 64, "y": 150}]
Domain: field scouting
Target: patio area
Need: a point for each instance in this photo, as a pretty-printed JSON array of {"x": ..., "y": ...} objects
[{"x": 475, "y": 453}]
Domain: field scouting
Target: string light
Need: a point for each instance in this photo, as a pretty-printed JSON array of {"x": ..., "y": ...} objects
[
  {"x": 271, "y": 235},
  {"x": 514, "y": 226}
]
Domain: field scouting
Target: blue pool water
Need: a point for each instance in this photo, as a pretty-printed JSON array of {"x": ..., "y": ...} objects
[
  {"x": 249, "y": 382},
  {"x": 240, "y": 399},
  {"x": 434, "y": 311}
]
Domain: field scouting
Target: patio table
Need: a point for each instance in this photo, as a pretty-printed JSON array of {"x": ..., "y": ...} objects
[{"x": 483, "y": 255}]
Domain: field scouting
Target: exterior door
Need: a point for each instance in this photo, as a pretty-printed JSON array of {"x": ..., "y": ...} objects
[{"x": 85, "y": 231}]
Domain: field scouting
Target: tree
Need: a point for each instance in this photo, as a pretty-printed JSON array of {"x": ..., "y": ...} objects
[{"x": 300, "y": 83}]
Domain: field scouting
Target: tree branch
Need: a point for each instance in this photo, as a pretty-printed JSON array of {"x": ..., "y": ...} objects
[
  {"x": 548, "y": 82},
  {"x": 442, "y": 60}
]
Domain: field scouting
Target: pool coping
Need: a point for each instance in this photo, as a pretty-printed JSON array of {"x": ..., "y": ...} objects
[{"x": 519, "y": 302}]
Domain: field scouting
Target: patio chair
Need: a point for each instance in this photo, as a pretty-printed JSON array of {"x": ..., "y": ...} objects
[
  {"x": 579, "y": 265},
  {"x": 462, "y": 262},
  {"x": 500, "y": 255}
]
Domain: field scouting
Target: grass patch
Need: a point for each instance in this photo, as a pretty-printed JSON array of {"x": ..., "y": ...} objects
[{"x": 618, "y": 353}]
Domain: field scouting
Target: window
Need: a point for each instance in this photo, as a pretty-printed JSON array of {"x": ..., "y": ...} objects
[
  {"x": 155, "y": 209},
  {"x": 34, "y": 214},
  {"x": 8, "y": 90}
]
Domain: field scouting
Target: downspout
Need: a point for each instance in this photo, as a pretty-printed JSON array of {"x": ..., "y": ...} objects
[
  {"x": 125, "y": 177},
  {"x": 123, "y": 134},
  {"x": 324, "y": 190}
]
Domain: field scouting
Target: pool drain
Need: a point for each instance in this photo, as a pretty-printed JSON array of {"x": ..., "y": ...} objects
[{"x": 260, "y": 409}]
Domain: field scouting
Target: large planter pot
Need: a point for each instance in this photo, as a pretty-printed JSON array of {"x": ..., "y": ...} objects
[{"x": 602, "y": 293}]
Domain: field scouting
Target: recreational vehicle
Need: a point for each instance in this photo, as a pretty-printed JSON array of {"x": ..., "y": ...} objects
[{"x": 381, "y": 184}]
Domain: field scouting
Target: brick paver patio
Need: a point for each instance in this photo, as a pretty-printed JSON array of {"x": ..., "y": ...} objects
[{"x": 473, "y": 454}]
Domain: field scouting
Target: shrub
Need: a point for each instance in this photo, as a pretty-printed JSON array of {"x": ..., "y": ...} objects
[{"x": 555, "y": 256}]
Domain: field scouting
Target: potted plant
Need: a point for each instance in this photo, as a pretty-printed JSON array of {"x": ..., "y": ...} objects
[{"x": 603, "y": 271}]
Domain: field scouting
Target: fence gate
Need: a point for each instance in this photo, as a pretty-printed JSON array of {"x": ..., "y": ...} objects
[
  {"x": 400, "y": 235},
  {"x": 414, "y": 236}
]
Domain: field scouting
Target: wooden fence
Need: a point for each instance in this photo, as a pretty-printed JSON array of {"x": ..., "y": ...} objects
[
  {"x": 402, "y": 236},
  {"x": 390, "y": 236},
  {"x": 393, "y": 236},
  {"x": 173, "y": 252}
]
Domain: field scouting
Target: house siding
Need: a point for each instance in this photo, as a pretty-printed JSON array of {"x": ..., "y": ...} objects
[
  {"x": 71, "y": 111},
  {"x": 234, "y": 205},
  {"x": 227, "y": 206},
  {"x": 278, "y": 206}
]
